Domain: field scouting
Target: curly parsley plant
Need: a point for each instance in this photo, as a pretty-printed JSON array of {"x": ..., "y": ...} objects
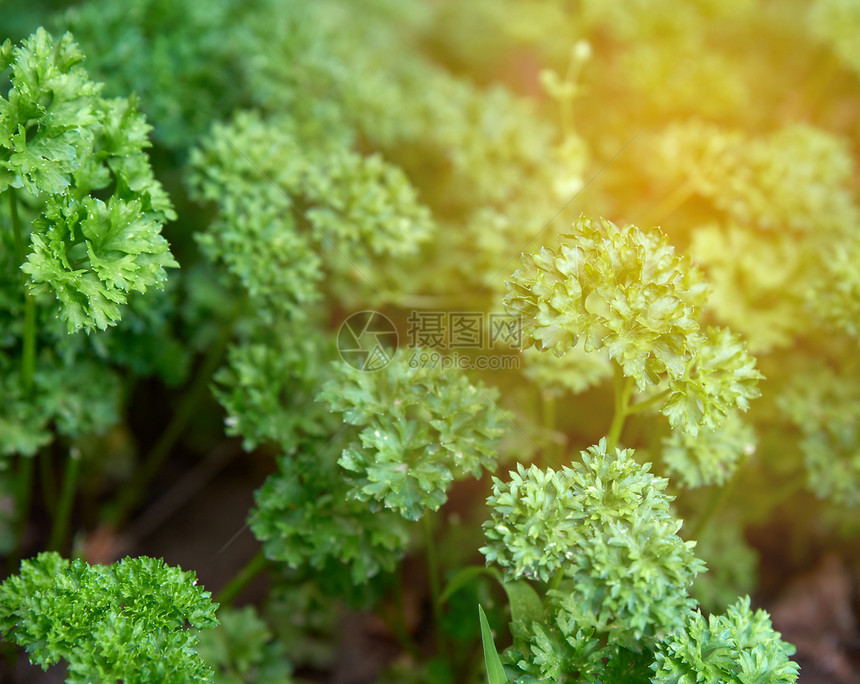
[
  {"x": 127, "y": 621},
  {"x": 417, "y": 430},
  {"x": 625, "y": 292},
  {"x": 78, "y": 160}
]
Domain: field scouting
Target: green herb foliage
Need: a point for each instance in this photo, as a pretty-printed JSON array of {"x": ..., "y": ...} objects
[
  {"x": 418, "y": 430},
  {"x": 66, "y": 142},
  {"x": 739, "y": 646},
  {"x": 242, "y": 649},
  {"x": 602, "y": 534},
  {"x": 127, "y": 621},
  {"x": 661, "y": 194}
]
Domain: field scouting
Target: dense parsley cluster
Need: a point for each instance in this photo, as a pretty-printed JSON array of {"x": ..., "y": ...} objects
[
  {"x": 824, "y": 406},
  {"x": 620, "y": 289},
  {"x": 295, "y": 203},
  {"x": 743, "y": 176},
  {"x": 127, "y": 621},
  {"x": 712, "y": 456},
  {"x": 269, "y": 382},
  {"x": 179, "y": 57},
  {"x": 342, "y": 493},
  {"x": 76, "y": 399},
  {"x": 604, "y": 526},
  {"x": 740, "y": 646},
  {"x": 307, "y": 516},
  {"x": 625, "y": 293},
  {"x": 81, "y": 241},
  {"x": 417, "y": 429},
  {"x": 601, "y": 535},
  {"x": 65, "y": 144}
]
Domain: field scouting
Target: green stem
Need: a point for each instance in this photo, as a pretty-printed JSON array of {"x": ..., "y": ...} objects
[
  {"x": 241, "y": 580},
  {"x": 555, "y": 583},
  {"x": 47, "y": 480},
  {"x": 23, "y": 490},
  {"x": 67, "y": 497},
  {"x": 398, "y": 622},
  {"x": 16, "y": 228},
  {"x": 398, "y": 629},
  {"x": 623, "y": 390},
  {"x": 28, "y": 369},
  {"x": 715, "y": 501},
  {"x": 125, "y": 503},
  {"x": 28, "y": 356},
  {"x": 788, "y": 489},
  {"x": 548, "y": 405},
  {"x": 435, "y": 584},
  {"x": 649, "y": 403}
]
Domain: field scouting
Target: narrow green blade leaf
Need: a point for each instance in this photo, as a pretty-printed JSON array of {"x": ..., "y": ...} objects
[{"x": 495, "y": 671}]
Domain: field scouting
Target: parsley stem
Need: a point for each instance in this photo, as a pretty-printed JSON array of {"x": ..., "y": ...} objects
[
  {"x": 623, "y": 389},
  {"x": 715, "y": 502},
  {"x": 548, "y": 406},
  {"x": 16, "y": 228},
  {"x": 779, "y": 494},
  {"x": 28, "y": 356},
  {"x": 125, "y": 503},
  {"x": 24, "y": 485},
  {"x": 396, "y": 622},
  {"x": 649, "y": 403},
  {"x": 435, "y": 587},
  {"x": 47, "y": 480},
  {"x": 67, "y": 498},
  {"x": 23, "y": 489},
  {"x": 241, "y": 580}
]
